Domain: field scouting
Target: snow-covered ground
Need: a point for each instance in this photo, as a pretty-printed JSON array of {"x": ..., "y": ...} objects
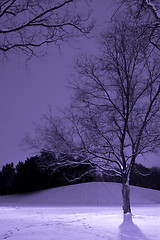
[{"x": 90, "y": 211}]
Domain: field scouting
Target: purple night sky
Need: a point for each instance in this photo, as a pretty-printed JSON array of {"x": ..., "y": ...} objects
[
  {"x": 24, "y": 96},
  {"x": 25, "y": 92}
]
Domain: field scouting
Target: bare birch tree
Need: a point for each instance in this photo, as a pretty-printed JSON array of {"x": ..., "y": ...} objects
[
  {"x": 117, "y": 101},
  {"x": 26, "y": 25},
  {"x": 115, "y": 113}
]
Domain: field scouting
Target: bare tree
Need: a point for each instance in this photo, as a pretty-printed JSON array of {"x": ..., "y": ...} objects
[
  {"x": 148, "y": 10},
  {"x": 26, "y": 25},
  {"x": 117, "y": 102},
  {"x": 115, "y": 114},
  {"x": 142, "y": 6}
]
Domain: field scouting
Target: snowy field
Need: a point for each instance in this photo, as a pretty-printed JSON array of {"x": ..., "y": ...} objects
[{"x": 90, "y": 211}]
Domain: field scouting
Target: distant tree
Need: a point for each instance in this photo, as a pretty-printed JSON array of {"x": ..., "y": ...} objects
[
  {"x": 7, "y": 177},
  {"x": 145, "y": 177},
  {"x": 28, "y": 176},
  {"x": 26, "y": 25},
  {"x": 154, "y": 180},
  {"x": 141, "y": 176}
]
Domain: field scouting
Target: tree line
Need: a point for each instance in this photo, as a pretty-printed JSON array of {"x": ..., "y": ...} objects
[
  {"x": 38, "y": 173},
  {"x": 32, "y": 175}
]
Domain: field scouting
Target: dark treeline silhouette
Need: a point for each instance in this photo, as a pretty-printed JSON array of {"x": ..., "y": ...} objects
[
  {"x": 41, "y": 172},
  {"x": 145, "y": 177}
]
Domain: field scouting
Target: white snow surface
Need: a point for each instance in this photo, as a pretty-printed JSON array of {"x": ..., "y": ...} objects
[{"x": 88, "y": 211}]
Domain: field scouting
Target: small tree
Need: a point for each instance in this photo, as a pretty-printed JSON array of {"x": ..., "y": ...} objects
[{"x": 26, "y": 25}]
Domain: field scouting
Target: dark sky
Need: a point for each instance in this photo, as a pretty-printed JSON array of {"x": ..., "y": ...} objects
[
  {"x": 24, "y": 96},
  {"x": 25, "y": 92}
]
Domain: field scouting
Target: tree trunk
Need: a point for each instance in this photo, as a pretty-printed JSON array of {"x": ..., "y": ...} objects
[{"x": 126, "y": 197}]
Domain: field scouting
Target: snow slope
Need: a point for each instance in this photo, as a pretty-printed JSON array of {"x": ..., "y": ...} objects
[
  {"x": 86, "y": 194},
  {"x": 90, "y": 211}
]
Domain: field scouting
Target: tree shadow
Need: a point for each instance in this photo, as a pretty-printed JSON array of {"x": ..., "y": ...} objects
[{"x": 129, "y": 231}]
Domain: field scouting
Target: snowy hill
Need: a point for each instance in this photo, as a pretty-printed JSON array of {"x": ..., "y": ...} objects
[
  {"x": 86, "y": 194},
  {"x": 91, "y": 211}
]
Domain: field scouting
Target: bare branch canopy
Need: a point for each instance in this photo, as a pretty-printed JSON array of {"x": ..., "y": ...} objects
[{"x": 26, "y": 25}]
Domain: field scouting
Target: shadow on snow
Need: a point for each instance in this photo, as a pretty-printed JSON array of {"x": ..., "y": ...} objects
[{"x": 129, "y": 231}]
